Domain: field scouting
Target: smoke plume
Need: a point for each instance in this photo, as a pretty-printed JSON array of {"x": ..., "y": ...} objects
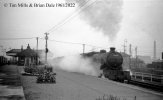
[
  {"x": 78, "y": 64},
  {"x": 103, "y": 15}
]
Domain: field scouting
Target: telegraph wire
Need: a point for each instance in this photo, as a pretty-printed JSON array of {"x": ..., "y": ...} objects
[
  {"x": 69, "y": 16},
  {"x": 77, "y": 43},
  {"x": 60, "y": 24},
  {"x": 78, "y": 11},
  {"x": 65, "y": 42},
  {"x": 16, "y": 38},
  {"x": 62, "y": 41}
]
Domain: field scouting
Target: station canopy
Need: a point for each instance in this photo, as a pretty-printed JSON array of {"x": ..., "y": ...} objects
[
  {"x": 13, "y": 52},
  {"x": 27, "y": 53}
]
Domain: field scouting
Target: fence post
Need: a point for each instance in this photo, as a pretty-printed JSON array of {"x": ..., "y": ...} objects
[
  {"x": 135, "y": 74},
  {"x": 161, "y": 79},
  {"x": 151, "y": 77}
]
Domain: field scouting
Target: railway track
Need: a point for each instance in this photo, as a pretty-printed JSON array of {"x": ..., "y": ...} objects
[
  {"x": 147, "y": 85},
  {"x": 147, "y": 80}
]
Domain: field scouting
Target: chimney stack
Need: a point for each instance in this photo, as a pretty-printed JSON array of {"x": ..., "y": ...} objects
[
  {"x": 154, "y": 53},
  {"x": 22, "y": 48},
  {"x": 112, "y": 49}
]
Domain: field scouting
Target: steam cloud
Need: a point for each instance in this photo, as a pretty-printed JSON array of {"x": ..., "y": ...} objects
[
  {"x": 78, "y": 64},
  {"x": 103, "y": 15}
]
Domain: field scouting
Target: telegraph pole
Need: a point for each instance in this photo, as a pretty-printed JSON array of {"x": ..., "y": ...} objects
[
  {"x": 136, "y": 51},
  {"x": 154, "y": 51},
  {"x": 37, "y": 51},
  {"x": 136, "y": 54},
  {"x": 46, "y": 47},
  {"x": 83, "y": 48},
  {"x": 37, "y": 43},
  {"x": 124, "y": 46},
  {"x": 130, "y": 50}
]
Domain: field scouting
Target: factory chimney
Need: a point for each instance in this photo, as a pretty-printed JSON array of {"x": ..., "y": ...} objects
[{"x": 154, "y": 53}]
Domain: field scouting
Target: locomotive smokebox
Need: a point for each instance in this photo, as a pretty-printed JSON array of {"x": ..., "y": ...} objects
[
  {"x": 114, "y": 60},
  {"x": 112, "y": 49}
]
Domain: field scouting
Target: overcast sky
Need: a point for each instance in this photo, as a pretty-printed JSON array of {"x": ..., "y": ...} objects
[{"x": 103, "y": 23}]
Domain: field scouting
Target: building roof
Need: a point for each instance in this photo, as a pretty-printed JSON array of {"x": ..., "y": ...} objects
[
  {"x": 13, "y": 52},
  {"x": 124, "y": 54},
  {"x": 27, "y": 52}
]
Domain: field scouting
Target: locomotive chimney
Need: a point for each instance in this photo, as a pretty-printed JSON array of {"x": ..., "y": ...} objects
[
  {"x": 112, "y": 49},
  {"x": 102, "y": 51}
]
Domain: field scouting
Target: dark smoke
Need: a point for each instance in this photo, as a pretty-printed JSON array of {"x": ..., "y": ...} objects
[{"x": 103, "y": 15}]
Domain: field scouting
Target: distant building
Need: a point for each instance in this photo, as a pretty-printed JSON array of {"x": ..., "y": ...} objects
[
  {"x": 158, "y": 65},
  {"x": 28, "y": 55},
  {"x": 131, "y": 63},
  {"x": 146, "y": 59},
  {"x": 13, "y": 54}
]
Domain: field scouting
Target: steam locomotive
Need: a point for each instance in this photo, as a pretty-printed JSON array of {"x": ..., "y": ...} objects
[{"x": 111, "y": 65}]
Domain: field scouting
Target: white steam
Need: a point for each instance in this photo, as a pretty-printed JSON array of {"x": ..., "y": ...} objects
[
  {"x": 103, "y": 15},
  {"x": 77, "y": 63}
]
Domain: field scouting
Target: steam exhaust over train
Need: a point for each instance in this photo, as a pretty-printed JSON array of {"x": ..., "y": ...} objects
[{"x": 107, "y": 64}]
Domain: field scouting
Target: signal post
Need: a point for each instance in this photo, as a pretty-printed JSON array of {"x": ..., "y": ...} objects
[{"x": 46, "y": 47}]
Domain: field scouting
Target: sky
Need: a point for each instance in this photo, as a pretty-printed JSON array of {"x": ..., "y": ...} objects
[{"x": 101, "y": 23}]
